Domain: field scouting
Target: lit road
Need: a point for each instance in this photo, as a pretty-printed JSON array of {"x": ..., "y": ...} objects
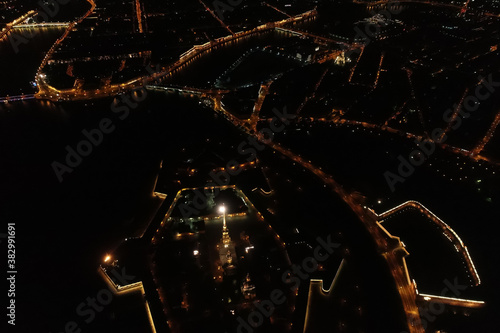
[
  {"x": 276, "y": 9},
  {"x": 139, "y": 16},
  {"x": 313, "y": 93},
  {"x": 489, "y": 134},
  {"x": 216, "y": 17},
  {"x": 462, "y": 8},
  {"x": 41, "y": 84},
  {"x": 455, "y": 114},
  {"x": 397, "y": 113},
  {"x": 390, "y": 247},
  {"x": 409, "y": 135},
  {"x": 263, "y": 91},
  {"x": 48, "y": 92},
  {"x": 467, "y": 303},
  {"x": 42, "y": 25},
  {"x": 320, "y": 39},
  {"x": 447, "y": 231},
  {"x": 8, "y": 99},
  {"x": 393, "y": 257},
  {"x": 5, "y": 31},
  {"x": 409, "y": 73}
]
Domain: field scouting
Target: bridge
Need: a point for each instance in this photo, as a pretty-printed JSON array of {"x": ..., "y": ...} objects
[
  {"x": 188, "y": 90},
  {"x": 140, "y": 54},
  {"x": 467, "y": 303},
  {"x": 317, "y": 39},
  {"x": 42, "y": 25},
  {"x": 53, "y": 48},
  {"x": 198, "y": 50},
  {"x": 48, "y": 92},
  {"x": 5, "y": 31},
  {"x": 381, "y": 3},
  {"x": 17, "y": 98}
]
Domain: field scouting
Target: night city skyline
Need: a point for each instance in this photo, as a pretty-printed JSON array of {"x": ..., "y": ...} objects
[{"x": 238, "y": 166}]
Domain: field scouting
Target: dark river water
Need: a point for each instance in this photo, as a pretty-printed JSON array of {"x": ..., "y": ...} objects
[
  {"x": 64, "y": 228},
  {"x": 19, "y": 61}
]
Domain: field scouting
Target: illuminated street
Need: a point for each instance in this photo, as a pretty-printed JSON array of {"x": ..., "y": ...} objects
[{"x": 250, "y": 167}]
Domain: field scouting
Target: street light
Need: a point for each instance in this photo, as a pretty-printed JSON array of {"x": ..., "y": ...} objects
[{"x": 222, "y": 209}]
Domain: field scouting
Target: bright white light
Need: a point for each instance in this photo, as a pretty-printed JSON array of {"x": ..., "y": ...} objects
[
  {"x": 196, "y": 252},
  {"x": 222, "y": 209}
]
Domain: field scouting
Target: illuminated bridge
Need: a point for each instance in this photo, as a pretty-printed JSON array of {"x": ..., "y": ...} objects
[
  {"x": 42, "y": 24},
  {"x": 317, "y": 39},
  {"x": 48, "y": 92},
  {"x": 188, "y": 90},
  {"x": 5, "y": 31},
  {"x": 382, "y": 3},
  {"x": 8, "y": 99},
  {"x": 468, "y": 303}
]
